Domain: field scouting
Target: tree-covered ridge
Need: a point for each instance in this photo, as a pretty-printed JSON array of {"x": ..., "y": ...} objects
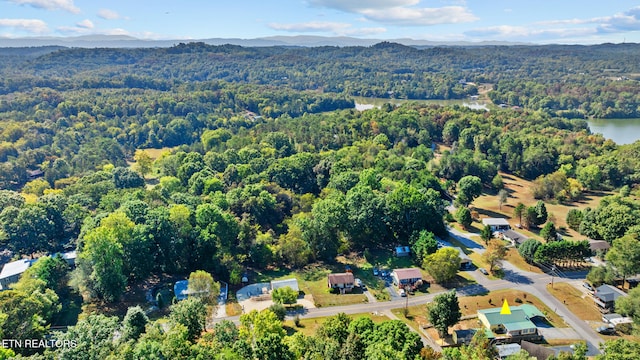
[{"x": 575, "y": 81}]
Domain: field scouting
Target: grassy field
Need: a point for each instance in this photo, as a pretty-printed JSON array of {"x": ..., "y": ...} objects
[
  {"x": 520, "y": 191},
  {"x": 582, "y": 307},
  {"x": 514, "y": 258},
  {"x": 310, "y": 326}
]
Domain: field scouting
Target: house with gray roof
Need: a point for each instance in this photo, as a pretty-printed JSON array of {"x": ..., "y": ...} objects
[
  {"x": 11, "y": 272},
  {"x": 605, "y": 297}
]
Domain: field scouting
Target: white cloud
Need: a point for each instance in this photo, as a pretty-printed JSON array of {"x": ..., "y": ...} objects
[
  {"x": 401, "y": 12},
  {"x": 108, "y": 14},
  {"x": 66, "y": 5},
  {"x": 85, "y": 24},
  {"x": 627, "y": 21},
  {"x": 523, "y": 33},
  {"x": 335, "y": 28},
  {"x": 312, "y": 26},
  {"x": 421, "y": 16},
  {"x": 35, "y": 26},
  {"x": 565, "y": 29},
  {"x": 358, "y": 5}
]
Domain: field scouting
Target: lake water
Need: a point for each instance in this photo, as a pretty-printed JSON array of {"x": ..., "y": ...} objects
[
  {"x": 365, "y": 103},
  {"x": 622, "y": 131}
]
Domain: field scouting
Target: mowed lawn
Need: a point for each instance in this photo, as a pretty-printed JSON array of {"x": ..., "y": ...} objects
[
  {"x": 580, "y": 305},
  {"x": 487, "y": 205}
]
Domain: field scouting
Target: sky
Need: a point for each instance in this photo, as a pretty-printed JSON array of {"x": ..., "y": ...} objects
[{"x": 540, "y": 21}]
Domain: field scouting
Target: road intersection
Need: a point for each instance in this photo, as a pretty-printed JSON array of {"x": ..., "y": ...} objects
[{"x": 515, "y": 278}]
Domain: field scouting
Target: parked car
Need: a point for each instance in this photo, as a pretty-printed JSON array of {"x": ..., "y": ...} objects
[
  {"x": 402, "y": 293},
  {"x": 606, "y": 330},
  {"x": 375, "y": 272},
  {"x": 484, "y": 271},
  {"x": 588, "y": 286},
  {"x": 358, "y": 282}
]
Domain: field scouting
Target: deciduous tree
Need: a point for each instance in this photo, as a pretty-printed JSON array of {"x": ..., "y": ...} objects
[
  {"x": 443, "y": 264},
  {"x": 495, "y": 252},
  {"x": 444, "y": 312}
]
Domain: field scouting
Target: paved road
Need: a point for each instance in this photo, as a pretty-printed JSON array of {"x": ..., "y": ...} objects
[
  {"x": 533, "y": 283},
  {"x": 536, "y": 284}
]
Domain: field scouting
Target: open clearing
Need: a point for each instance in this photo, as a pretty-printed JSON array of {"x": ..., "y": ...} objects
[{"x": 519, "y": 190}]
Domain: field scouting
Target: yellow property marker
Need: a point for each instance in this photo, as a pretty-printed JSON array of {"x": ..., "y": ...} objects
[{"x": 505, "y": 308}]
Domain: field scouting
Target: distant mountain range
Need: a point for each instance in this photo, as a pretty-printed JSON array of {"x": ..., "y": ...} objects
[{"x": 121, "y": 41}]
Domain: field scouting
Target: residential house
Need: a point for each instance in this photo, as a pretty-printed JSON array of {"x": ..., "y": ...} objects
[
  {"x": 402, "y": 251},
  {"x": 292, "y": 283},
  {"x": 598, "y": 247},
  {"x": 517, "y": 324},
  {"x": 34, "y": 174},
  {"x": 514, "y": 237},
  {"x": 11, "y": 272},
  {"x": 465, "y": 260},
  {"x": 406, "y": 277},
  {"x": 496, "y": 224},
  {"x": 344, "y": 282},
  {"x": 605, "y": 297}
]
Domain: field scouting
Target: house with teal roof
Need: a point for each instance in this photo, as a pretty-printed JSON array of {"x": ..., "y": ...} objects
[{"x": 519, "y": 323}]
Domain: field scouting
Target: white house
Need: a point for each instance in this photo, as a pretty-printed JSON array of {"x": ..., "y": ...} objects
[
  {"x": 496, "y": 224},
  {"x": 11, "y": 272}
]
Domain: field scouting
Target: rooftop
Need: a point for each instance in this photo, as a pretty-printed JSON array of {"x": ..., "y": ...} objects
[
  {"x": 292, "y": 283},
  {"x": 495, "y": 221},
  {"x": 514, "y": 235},
  {"x": 596, "y": 245},
  {"x": 608, "y": 293},
  {"x": 520, "y": 317},
  {"x": 15, "y": 268},
  {"x": 341, "y": 278},
  {"x": 408, "y": 273}
]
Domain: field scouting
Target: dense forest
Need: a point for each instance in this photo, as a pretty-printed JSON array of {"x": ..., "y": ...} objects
[{"x": 264, "y": 163}]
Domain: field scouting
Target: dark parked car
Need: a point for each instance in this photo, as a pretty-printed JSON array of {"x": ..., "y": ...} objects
[{"x": 606, "y": 330}]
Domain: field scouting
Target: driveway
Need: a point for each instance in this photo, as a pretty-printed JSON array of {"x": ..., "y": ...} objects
[{"x": 559, "y": 333}]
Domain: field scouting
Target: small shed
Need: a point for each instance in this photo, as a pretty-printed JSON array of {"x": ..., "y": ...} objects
[
  {"x": 507, "y": 350},
  {"x": 402, "y": 251}
]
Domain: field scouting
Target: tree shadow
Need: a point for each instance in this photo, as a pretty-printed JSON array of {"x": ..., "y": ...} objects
[
  {"x": 473, "y": 290},
  {"x": 516, "y": 278}
]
